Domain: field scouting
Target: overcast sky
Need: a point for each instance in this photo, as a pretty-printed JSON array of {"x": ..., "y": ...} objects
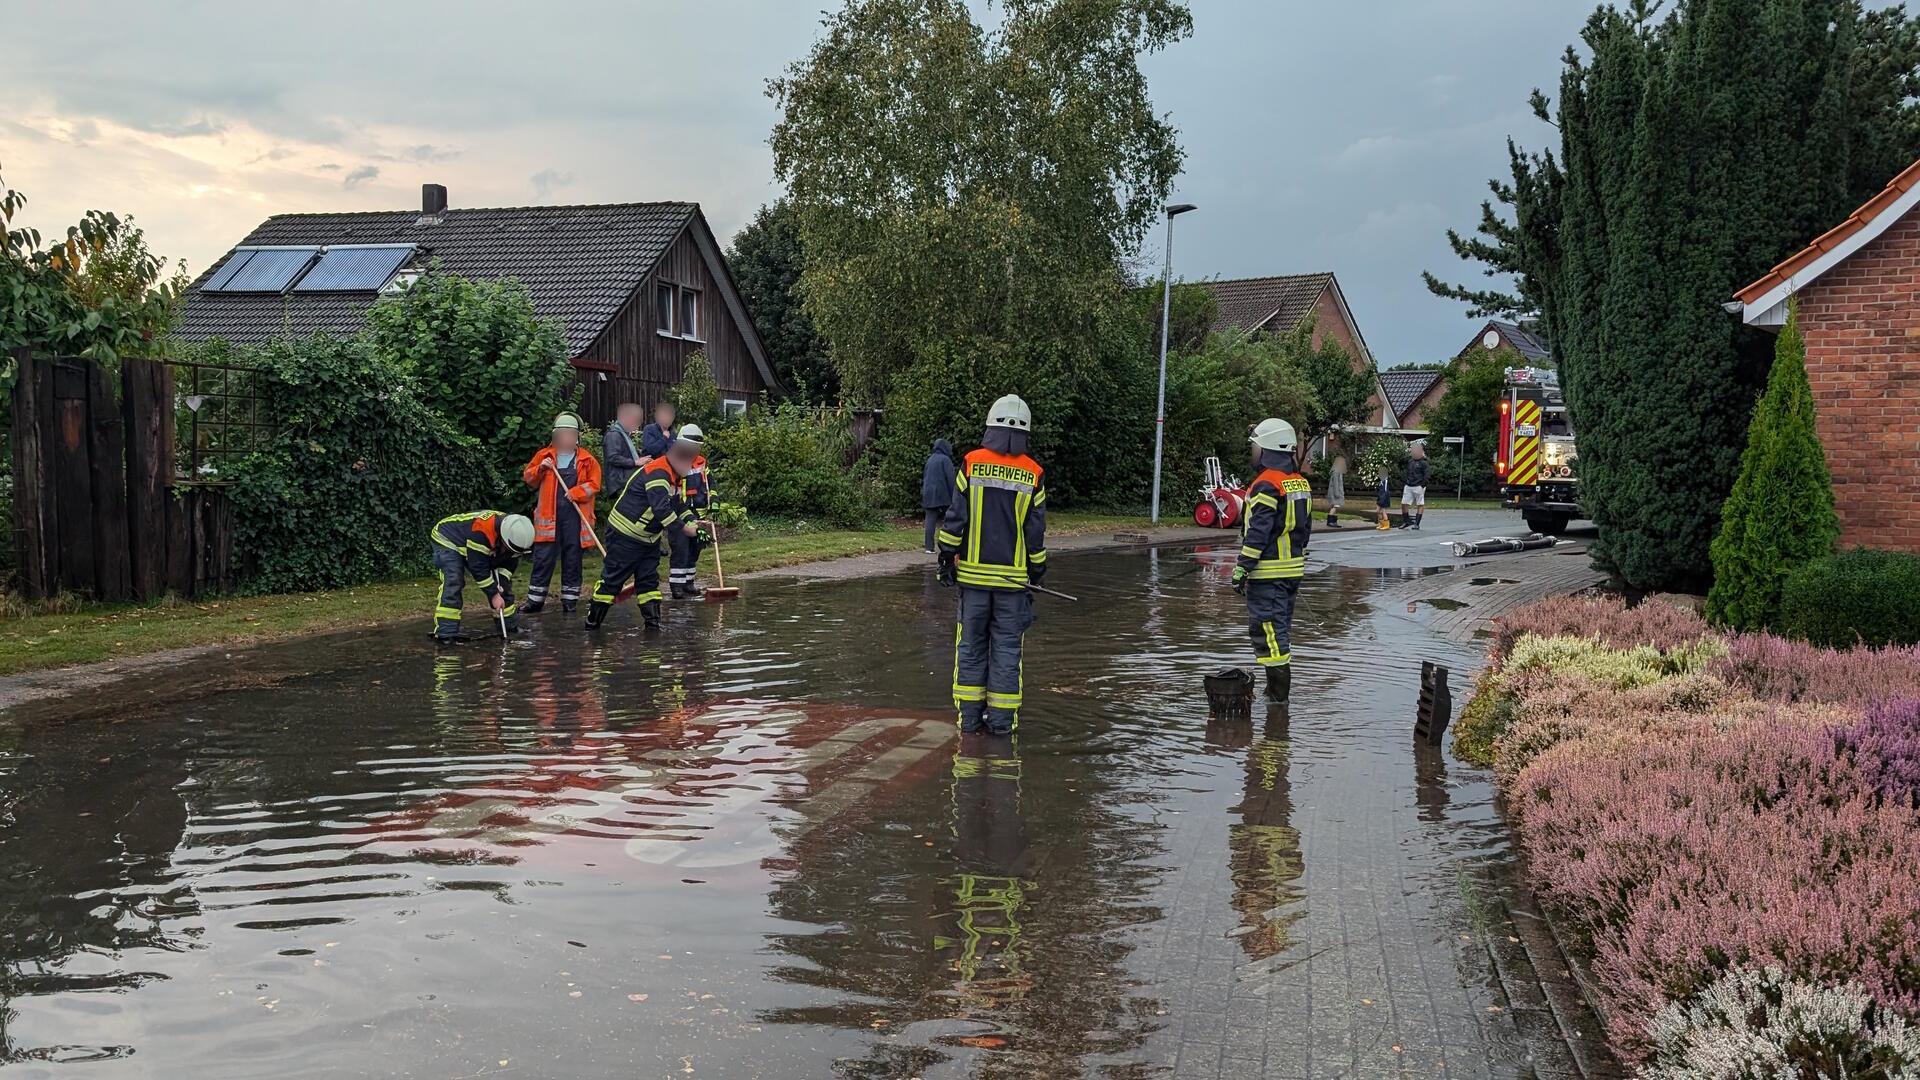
[{"x": 1343, "y": 137}]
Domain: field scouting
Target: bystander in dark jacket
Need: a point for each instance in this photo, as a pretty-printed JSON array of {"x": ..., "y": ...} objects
[{"x": 936, "y": 487}]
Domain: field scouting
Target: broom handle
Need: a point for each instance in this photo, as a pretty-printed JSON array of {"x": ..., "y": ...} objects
[
  {"x": 561, "y": 481},
  {"x": 713, "y": 535}
]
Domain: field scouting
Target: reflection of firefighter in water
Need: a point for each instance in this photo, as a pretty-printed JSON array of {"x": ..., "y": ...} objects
[
  {"x": 993, "y": 862},
  {"x": 1265, "y": 862}
]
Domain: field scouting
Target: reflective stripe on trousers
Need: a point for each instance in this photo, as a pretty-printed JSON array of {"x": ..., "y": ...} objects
[
  {"x": 452, "y": 566},
  {"x": 987, "y": 669},
  {"x": 629, "y": 558},
  {"x": 564, "y": 550},
  {"x": 1270, "y": 620},
  {"x": 683, "y": 560}
]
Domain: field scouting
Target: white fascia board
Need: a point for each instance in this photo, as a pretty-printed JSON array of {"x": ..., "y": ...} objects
[{"x": 1761, "y": 311}]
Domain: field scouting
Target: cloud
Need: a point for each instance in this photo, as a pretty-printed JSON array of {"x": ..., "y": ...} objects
[
  {"x": 360, "y": 176},
  {"x": 278, "y": 153},
  {"x": 548, "y": 181}
]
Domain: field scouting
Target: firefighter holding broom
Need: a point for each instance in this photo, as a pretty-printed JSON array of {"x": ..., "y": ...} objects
[
  {"x": 566, "y": 478},
  {"x": 683, "y": 559},
  {"x": 648, "y": 508},
  {"x": 1273, "y": 550},
  {"x": 993, "y": 545}
]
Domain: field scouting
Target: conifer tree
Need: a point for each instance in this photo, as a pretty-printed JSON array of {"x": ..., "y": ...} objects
[
  {"x": 1780, "y": 514},
  {"x": 1699, "y": 145}
]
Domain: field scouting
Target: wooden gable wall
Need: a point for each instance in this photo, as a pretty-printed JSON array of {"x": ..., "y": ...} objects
[{"x": 641, "y": 364}]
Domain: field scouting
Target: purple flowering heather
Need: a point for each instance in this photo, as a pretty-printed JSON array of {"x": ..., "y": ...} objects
[
  {"x": 1607, "y": 618},
  {"x": 1776, "y": 669},
  {"x": 1885, "y": 746}
]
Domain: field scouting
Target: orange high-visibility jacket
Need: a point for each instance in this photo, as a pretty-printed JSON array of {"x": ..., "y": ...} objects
[{"x": 585, "y": 489}]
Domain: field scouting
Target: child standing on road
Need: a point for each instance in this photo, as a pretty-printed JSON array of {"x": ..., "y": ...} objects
[{"x": 1382, "y": 500}]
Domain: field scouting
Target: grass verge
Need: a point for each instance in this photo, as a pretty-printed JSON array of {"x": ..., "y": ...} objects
[{"x": 63, "y": 633}]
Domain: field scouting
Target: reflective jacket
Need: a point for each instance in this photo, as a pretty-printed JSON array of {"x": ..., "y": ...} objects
[
  {"x": 476, "y": 536},
  {"x": 695, "y": 492},
  {"x": 649, "y": 504},
  {"x": 586, "y": 488},
  {"x": 997, "y": 521},
  {"x": 1275, "y": 528}
]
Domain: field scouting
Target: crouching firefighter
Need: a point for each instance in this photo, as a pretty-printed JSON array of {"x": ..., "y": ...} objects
[
  {"x": 1273, "y": 550},
  {"x": 648, "y": 507},
  {"x": 683, "y": 560},
  {"x": 488, "y": 547},
  {"x": 993, "y": 544}
]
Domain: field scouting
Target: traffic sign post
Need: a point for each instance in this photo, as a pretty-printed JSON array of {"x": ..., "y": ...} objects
[{"x": 1459, "y": 463}]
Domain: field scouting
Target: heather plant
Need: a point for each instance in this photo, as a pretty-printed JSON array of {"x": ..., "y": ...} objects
[
  {"x": 1776, "y": 669},
  {"x": 1885, "y": 746},
  {"x": 1621, "y": 669},
  {"x": 1605, "y": 618},
  {"x": 1572, "y": 707},
  {"x": 1761, "y": 1024}
]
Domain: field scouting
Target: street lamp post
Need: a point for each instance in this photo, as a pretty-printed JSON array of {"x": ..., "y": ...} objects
[{"x": 1166, "y": 313}]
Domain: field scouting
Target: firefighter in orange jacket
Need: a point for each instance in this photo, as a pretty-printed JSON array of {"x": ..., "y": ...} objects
[
  {"x": 1273, "y": 550},
  {"x": 648, "y": 507},
  {"x": 993, "y": 544},
  {"x": 558, "y": 536}
]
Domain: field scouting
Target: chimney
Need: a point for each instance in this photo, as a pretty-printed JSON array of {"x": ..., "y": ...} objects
[{"x": 433, "y": 199}]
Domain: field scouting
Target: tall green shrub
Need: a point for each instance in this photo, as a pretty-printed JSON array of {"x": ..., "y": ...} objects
[
  {"x": 359, "y": 469},
  {"x": 1780, "y": 513},
  {"x": 789, "y": 461},
  {"x": 479, "y": 356},
  {"x": 696, "y": 397},
  {"x": 1698, "y": 143}
]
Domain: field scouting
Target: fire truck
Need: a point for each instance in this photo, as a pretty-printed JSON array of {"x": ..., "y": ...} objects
[{"x": 1535, "y": 459}]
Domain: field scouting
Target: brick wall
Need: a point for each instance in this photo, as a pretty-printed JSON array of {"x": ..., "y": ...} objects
[{"x": 1862, "y": 325}]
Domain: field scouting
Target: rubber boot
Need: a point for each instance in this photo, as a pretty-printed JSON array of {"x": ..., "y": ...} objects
[
  {"x": 650, "y": 611},
  {"x": 568, "y": 605},
  {"x": 1279, "y": 682},
  {"x": 694, "y": 592},
  {"x": 532, "y": 607},
  {"x": 676, "y": 591},
  {"x": 596, "y": 613},
  {"x": 1383, "y": 522}
]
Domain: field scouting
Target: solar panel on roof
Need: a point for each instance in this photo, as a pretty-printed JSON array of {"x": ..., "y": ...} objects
[
  {"x": 355, "y": 268},
  {"x": 227, "y": 269},
  {"x": 267, "y": 270}
]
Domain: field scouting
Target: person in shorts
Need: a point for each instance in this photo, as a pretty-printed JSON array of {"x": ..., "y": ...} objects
[{"x": 1413, "y": 494}]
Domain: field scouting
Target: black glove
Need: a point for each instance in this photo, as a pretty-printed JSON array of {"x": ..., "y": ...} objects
[
  {"x": 948, "y": 572},
  {"x": 1035, "y": 573}
]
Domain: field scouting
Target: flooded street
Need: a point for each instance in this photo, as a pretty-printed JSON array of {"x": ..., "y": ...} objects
[{"x": 756, "y": 847}]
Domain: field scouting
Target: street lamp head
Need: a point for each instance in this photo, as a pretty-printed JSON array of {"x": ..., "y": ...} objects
[{"x": 1176, "y": 209}]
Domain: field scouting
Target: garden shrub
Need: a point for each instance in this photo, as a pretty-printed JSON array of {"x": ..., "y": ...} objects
[
  {"x": 360, "y": 469},
  {"x": 1485, "y": 717},
  {"x": 1776, "y": 669},
  {"x": 1780, "y": 513},
  {"x": 1605, "y": 618},
  {"x": 696, "y": 397},
  {"x": 479, "y": 356},
  {"x": 1885, "y": 745},
  {"x": 1857, "y": 597},
  {"x": 1761, "y": 1024},
  {"x": 788, "y": 461}
]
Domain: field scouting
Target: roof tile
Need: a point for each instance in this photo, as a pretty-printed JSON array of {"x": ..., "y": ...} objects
[{"x": 1266, "y": 303}]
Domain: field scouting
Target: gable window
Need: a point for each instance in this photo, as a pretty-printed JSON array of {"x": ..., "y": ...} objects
[
  {"x": 690, "y": 313},
  {"x": 663, "y": 308}
]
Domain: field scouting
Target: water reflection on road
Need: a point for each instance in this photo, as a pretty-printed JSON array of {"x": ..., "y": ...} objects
[{"x": 757, "y": 848}]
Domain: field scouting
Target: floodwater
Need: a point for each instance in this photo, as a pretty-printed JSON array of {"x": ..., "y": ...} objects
[{"x": 755, "y": 847}]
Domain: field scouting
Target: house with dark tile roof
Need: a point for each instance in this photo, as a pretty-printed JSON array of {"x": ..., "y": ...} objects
[
  {"x": 1411, "y": 391},
  {"x": 635, "y": 287},
  {"x": 1501, "y": 334},
  {"x": 1276, "y": 305}
]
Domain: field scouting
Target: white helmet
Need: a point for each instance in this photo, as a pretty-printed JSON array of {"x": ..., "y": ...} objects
[
  {"x": 691, "y": 433},
  {"x": 517, "y": 533},
  {"x": 1275, "y": 434},
  {"x": 566, "y": 421},
  {"x": 1010, "y": 412}
]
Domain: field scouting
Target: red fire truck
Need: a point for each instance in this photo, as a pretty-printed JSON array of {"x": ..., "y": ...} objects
[{"x": 1535, "y": 460}]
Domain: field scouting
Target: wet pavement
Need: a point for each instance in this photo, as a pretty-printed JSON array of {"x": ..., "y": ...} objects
[{"x": 757, "y": 848}]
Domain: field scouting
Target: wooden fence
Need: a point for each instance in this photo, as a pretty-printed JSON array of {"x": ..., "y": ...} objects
[{"x": 97, "y": 508}]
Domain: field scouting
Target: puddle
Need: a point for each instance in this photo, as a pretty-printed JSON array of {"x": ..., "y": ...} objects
[
  {"x": 755, "y": 847},
  {"x": 1484, "y": 581},
  {"x": 1441, "y": 603}
]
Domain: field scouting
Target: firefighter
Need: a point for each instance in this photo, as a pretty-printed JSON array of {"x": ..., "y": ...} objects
[
  {"x": 993, "y": 544},
  {"x": 647, "y": 508},
  {"x": 557, "y": 535},
  {"x": 684, "y": 551},
  {"x": 487, "y": 545},
  {"x": 1273, "y": 550}
]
